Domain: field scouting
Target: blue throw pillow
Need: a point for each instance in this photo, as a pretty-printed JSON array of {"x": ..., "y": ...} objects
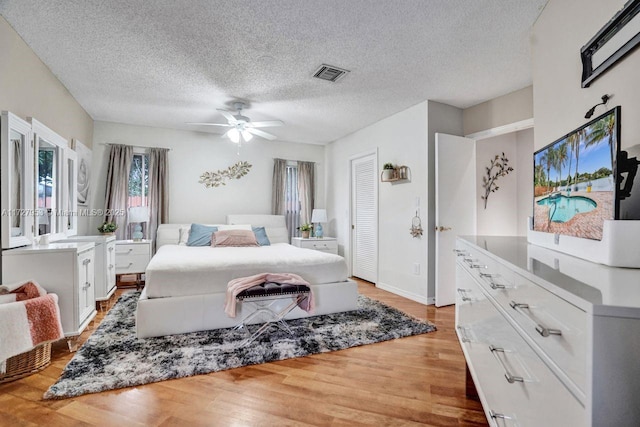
[
  {"x": 200, "y": 235},
  {"x": 261, "y": 236}
]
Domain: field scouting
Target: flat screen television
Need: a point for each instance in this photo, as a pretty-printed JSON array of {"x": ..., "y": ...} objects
[{"x": 576, "y": 180}]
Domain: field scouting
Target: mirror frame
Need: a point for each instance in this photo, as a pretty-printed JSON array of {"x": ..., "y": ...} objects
[
  {"x": 40, "y": 131},
  {"x": 12, "y": 122},
  {"x": 70, "y": 172}
]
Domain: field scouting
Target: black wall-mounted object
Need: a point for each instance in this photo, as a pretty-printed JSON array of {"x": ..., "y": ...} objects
[{"x": 605, "y": 49}]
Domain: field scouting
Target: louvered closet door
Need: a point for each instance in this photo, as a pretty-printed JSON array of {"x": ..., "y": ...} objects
[{"x": 364, "y": 217}]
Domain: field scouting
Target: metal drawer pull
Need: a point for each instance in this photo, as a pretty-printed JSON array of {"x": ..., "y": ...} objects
[
  {"x": 124, "y": 253},
  {"x": 110, "y": 266},
  {"x": 493, "y": 414},
  {"x": 508, "y": 375},
  {"x": 460, "y": 252},
  {"x": 541, "y": 329},
  {"x": 86, "y": 261},
  {"x": 494, "y": 285},
  {"x": 463, "y": 294},
  {"x": 488, "y": 274},
  {"x": 477, "y": 266},
  {"x": 111, "y": 249},
  {"x": 463, "y": 334}
]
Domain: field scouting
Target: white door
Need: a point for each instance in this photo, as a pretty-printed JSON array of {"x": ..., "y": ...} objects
[
  {"x": 455, "y": 207},
  {"x": 364, "y": 217}
]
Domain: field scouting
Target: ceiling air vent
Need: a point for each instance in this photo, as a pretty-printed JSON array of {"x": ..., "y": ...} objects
[{"x": 330, "y": 73}]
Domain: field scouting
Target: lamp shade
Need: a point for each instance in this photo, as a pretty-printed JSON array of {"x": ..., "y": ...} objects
[
  {"x": 139, "y": 214},
  {"x": 319, "y": 215}
]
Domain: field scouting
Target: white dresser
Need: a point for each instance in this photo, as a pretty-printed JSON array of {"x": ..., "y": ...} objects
[
  {"x": 105, "y": 263},
  {"x": 549, "y": 339},
  {"x": 325, "y": 244},
  {"x": 66, "y": 269}
]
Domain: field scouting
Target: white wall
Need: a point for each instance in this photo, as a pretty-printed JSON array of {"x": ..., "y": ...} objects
[
  {"x": 507, "y": 208},
  {"x": 560, "y": 104},
  {"x": 193, "y": 153},
  {"x": 399, "y": 139},
  {"x": 503, "y": 110}
]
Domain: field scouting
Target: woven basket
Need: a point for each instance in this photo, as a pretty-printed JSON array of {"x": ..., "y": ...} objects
[{"x": 28, "y": 363}]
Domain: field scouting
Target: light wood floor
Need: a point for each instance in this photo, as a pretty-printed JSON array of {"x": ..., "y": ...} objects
[{"x": 416, "y": 380}]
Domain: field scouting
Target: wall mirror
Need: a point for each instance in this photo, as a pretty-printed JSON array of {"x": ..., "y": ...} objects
[
  {"x": 71, "y": 183},
  {"x": 615, "y": 40},
  {"x": 49, "y": 182},
  {"x": 17, "y": 202}
]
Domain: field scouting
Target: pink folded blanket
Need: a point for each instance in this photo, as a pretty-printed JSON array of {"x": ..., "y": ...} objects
[
  {"x": 235, "y": 286},
  {"x": 31, "y": 320}
]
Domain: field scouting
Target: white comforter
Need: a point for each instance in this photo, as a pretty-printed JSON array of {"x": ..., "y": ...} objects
[{"x": 183, "y": 270}]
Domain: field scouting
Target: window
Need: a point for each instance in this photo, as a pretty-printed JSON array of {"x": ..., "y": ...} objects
[{"x": 139, "y": 180}]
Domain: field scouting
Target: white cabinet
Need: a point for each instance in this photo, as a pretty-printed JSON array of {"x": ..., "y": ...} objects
[
  {"x": 132, "y": 256},
  {"x": 66, "y": 269},
  {"x": 105, "y": 263},
  {"x": 325, "y": 244},
  {"x": 549, "y": 339}
]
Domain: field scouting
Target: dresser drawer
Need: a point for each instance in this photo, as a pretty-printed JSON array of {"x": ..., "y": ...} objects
[
  {"x": 132, "y": 264},
  {"x": 516, "y": 386},
  {"x": 555, "y": 325}
]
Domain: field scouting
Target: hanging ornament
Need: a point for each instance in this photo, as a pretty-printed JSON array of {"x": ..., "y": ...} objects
[{"x": 416, "y": 226}]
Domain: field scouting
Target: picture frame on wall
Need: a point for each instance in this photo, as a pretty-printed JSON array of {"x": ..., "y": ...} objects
[{"x": 84, "y": 171}]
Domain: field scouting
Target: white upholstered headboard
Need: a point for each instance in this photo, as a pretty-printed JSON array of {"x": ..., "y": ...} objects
[{"x": 274, "y": 225}]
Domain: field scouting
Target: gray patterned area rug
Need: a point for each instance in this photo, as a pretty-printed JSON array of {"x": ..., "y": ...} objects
[{"x": 113, "y": 357}]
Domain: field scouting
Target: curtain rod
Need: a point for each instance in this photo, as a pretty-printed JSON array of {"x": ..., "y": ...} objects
[{"x": 131, "y": 145}]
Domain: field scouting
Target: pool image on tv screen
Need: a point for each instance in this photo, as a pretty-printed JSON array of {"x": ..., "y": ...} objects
[{"x": 574, "y": 180}]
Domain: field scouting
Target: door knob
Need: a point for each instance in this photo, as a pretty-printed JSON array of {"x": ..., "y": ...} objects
[{"x": 441, "y": 228}]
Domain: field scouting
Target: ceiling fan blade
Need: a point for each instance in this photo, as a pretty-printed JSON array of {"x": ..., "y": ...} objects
[
  {"x": 265, "y": 124},
  {"x": 227, "y": 115},
  {"x": 261, "y": 133},
  {"x": 209, "y": 124}
]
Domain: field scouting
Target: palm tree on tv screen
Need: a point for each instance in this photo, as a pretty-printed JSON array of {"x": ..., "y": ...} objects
[
  {"x": 601, "y": 130},
  {"x": 561, "y": 156},
  {"x": 548, "y": 159},
  {"x": 574, "y": 140}
]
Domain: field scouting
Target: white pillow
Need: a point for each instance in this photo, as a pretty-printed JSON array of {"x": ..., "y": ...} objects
[{"x": 184, "y": 235}]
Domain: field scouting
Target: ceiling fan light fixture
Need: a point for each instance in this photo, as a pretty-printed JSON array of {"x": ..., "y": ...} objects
[
  {"x": 234, "y": 135},
  {"x": 246, "y": 135}
]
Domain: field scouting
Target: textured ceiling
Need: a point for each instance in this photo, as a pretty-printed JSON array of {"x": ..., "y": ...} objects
[{"x": 166, "y": 62}]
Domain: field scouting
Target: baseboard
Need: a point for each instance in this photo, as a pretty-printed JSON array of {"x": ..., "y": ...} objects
[
  {"x": 409, "y": 295},
  {"x": 431, "y": 301}
]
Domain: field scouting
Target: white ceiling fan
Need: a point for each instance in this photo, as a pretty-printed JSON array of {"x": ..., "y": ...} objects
[{"x": 242, "y": 128}]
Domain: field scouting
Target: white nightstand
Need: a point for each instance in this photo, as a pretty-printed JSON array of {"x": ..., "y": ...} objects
[
  {"x": 326, "y": 244},
  {"x": 132, "y": 257}
]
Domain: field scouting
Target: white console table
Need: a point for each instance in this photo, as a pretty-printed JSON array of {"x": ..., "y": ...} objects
[{"x": 549, "y": 339}]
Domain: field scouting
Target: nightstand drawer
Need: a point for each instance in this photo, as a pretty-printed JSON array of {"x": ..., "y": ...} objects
[
  {"x": 319, "y": 245},
  {"x": 132, "y": 264},
  {"x": 127, "y": 249}
]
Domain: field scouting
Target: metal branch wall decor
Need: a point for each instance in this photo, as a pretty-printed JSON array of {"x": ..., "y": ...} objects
[
  {"x": 499, "y": 166},
  {"x": 220, "y": 177}
]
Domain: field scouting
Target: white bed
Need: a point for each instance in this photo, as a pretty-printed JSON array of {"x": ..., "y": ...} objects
[{"x": 186, "y": 286}]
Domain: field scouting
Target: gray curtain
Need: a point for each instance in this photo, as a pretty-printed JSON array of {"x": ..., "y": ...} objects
[
  {"x": 278, "y": 203},
  {"x": 158, "y": 198},
  {"x": 117, "y": 193},
  {"x": 306, "y": 185}
]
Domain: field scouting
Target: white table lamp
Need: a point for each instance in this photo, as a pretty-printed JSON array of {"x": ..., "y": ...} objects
[
  {"x": 318, "y": 216},
  {"x": 138, "y": 215}
]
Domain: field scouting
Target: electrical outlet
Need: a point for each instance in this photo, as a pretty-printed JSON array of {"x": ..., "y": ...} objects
[{"x": 416, "y": 269}]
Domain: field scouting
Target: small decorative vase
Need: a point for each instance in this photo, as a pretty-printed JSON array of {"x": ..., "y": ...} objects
[
  {"x": 318, "y": 231},
  {"x": 305, "y": 234}
]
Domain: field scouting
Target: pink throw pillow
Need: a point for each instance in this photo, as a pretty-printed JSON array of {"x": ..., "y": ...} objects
[{"x": 233, "y": 238}]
